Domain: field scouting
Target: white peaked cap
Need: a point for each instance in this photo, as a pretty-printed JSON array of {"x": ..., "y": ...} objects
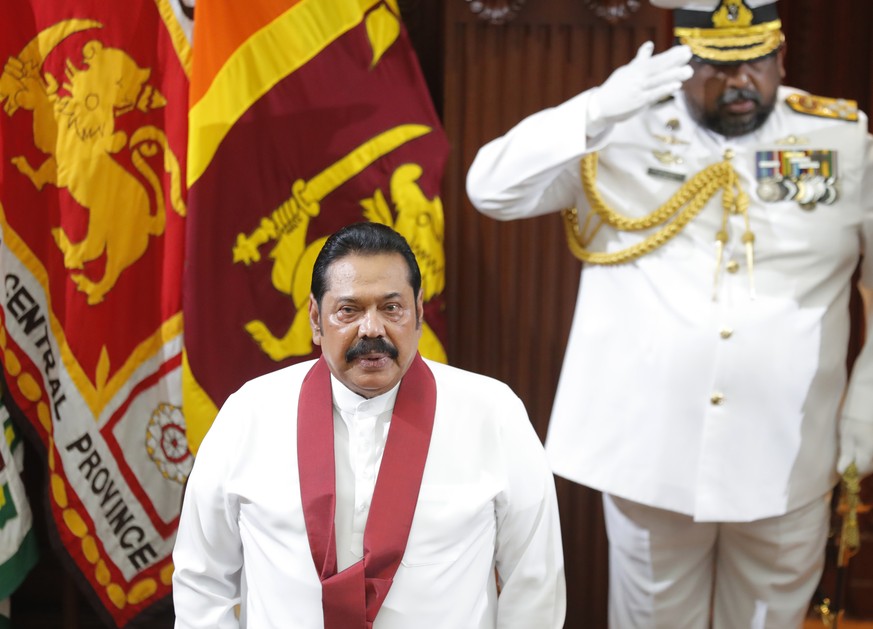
[{"x": 726, "y": 31}]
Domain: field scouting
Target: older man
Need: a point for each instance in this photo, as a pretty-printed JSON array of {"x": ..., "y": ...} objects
[
  {"x": 720, "y": 216},
  {"x": 370, "y": 488}
]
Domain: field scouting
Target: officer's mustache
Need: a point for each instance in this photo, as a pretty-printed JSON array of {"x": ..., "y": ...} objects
[
  {"x": 733, "y": 94},
  {"x": 366, "y": 346}
]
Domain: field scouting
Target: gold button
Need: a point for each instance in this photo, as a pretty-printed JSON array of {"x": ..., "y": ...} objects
[
  {"x": 717, "y": 399},
  {"x": 726, "y": 333},
  {"x": 733, "y": 266}
]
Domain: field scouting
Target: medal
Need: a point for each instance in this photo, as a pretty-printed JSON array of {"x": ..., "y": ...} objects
[
  {"x": 770, "y": 191},
  {"x": 808, "y": 176}
]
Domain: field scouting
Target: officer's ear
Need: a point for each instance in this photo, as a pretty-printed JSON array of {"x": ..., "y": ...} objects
[{"x": 780, "y": 60}]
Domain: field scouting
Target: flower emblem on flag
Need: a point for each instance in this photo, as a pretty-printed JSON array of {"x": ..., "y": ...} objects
[{"x": 167, "y": 444}]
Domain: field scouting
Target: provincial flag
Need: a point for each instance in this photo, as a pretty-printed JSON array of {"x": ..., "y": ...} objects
[
  {"x": 92, "y": 218},
  {"x": 306, "y": 115},
  {"x": 18, "y": 546}
]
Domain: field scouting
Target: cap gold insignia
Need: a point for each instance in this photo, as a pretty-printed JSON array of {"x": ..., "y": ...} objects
[{"x": 732, "y": 13}]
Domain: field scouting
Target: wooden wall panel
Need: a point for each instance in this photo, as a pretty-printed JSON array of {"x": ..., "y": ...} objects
[
  {"x": 830, "y": 48},
  {"x": 510, "y": 284},
  {"x": 511, "y": 287},
  {"x": 423, "y": 22}
]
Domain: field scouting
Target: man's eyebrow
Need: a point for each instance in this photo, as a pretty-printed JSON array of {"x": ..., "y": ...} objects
[
  {"x": 352, "y": 298},
  {"x": 345, "y": 298}
]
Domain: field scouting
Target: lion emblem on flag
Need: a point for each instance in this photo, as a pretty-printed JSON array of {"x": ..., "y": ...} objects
[{"x": 74, "y": 124}]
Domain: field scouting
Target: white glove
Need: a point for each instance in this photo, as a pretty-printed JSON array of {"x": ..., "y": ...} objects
[
  {"x": 856, "y": 444},
  {"x": 630, "y": 88}
]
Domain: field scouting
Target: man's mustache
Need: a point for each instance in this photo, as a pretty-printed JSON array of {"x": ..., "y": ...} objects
[
  {"x": 366, "y": 346},
  {"x": 733, "y": 94}
]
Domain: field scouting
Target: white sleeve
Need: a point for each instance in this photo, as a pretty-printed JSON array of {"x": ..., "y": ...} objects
[
  {"x": 859, "y": 398},
  {"x": 530, "y": 558},
  {"x": 856, "y": 427},
  {"x": 534, "y": 168},
  {"x": 208, "y": 554}
]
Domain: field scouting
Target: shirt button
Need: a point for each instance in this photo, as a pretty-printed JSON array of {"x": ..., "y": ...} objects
[
  {"x": 717, "y": 399},
  {"x": 733, "y": 266},
  {"x": 726, "y": 333}
]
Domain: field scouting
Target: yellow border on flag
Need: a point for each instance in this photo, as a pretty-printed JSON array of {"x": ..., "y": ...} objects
[
  {"x": 198, "y": 409},
  {"x": 177, "y": 35},
  {"x": 95, "y": 397},
  {"x": 268, "y": 56}
]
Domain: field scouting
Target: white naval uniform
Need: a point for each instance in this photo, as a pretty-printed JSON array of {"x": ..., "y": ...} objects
[
  {"x": 701, "y": 396},
  {"x": 725, "y": 409},
  {"x": 487, "y": 501}
]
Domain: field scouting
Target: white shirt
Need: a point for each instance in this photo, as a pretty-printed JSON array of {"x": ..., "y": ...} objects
[
  {"x": 487, "y": 501},
  {"x": 360, "y": 432},
  {"x": 724, "y": 409}
]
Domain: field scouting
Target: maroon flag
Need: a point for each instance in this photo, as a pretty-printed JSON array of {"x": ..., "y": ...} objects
[{"x": 305, "y": 116}]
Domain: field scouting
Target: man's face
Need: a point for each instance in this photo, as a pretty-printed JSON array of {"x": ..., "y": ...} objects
[
  {"x": 734, "y": 99},
  {"x": 369, "y": 322}
]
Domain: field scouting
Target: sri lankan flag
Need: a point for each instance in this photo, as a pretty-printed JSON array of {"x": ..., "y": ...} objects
[
  {"x": 92, "y": 217},
  {"x": 306, "y": 115}
]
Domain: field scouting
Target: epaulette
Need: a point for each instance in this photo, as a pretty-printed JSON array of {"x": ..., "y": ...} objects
[{"x": 823, "y": 107}]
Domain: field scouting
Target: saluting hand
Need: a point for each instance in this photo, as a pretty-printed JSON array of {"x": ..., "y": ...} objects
[{"x": 645, "y": 80}]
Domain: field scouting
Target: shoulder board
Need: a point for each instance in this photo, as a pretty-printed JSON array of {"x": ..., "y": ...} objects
[{"x": 823, "y": 107}]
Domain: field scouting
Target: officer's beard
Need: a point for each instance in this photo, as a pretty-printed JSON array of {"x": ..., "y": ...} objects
[{"x": 731, "y": 125}]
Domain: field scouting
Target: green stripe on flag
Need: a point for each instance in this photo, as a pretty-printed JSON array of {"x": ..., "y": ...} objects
[
  {"x": 7, "y": 507},
  {"x": 14, "y": 570},
  {"x": 12, "y": 436},
  {"x": 19, "y": 549}
]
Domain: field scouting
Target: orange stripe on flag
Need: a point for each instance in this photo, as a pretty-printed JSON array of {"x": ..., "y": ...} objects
[
  {"x": 261, "y": 61},
  {"x": 235, "y": 22}
]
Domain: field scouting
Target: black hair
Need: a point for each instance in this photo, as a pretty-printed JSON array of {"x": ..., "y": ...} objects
[{"x": 362, "y": 238}]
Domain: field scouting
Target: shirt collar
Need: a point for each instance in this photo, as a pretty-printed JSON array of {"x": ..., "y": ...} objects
[{"x": 347, "y": 401}]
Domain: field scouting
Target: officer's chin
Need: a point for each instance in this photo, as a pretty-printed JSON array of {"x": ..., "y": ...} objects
[{"x": 732, "y": 125}]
